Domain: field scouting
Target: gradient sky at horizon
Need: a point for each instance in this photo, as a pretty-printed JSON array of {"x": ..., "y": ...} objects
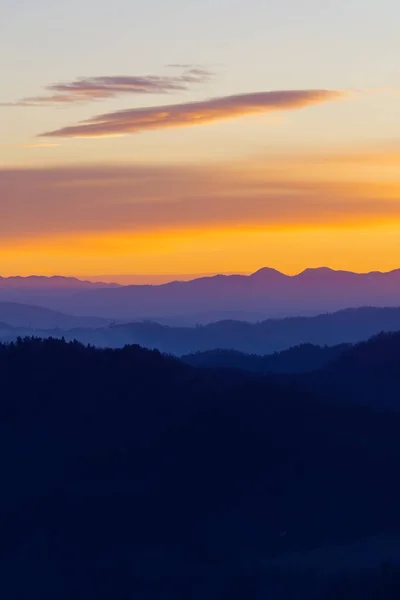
[{"x": 210, "y": 172}]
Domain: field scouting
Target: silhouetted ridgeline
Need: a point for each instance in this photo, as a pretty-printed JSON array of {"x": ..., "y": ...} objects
[
  {"x": 365, "y": 373},
  {"x": 129, "y": 474},
  {"x": 36, "y": 284},
  {"x": 299, "y": 359},
  {"x": 348, "y": 326}
]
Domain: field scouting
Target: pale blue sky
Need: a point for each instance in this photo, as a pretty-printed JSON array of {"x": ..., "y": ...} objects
[
  {"x": 258, "y": 45},
  {"x": 292, "y": 43}
]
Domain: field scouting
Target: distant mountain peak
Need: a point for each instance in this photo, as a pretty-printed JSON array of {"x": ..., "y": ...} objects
[
  {"x": 321, "y": 274},
  {"x": 268, "y": 272},
  {"x": 319, "y": 270}
]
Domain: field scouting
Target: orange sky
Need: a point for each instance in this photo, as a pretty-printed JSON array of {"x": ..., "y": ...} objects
[
  {"x": 290, "y": 250},
  {"x": 289, "y": 212}
]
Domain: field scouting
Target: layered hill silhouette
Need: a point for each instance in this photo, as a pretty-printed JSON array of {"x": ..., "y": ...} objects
[
  {"x": 348, "y": 326},
  {"x": 26, "y": 317},
  {"x": 267, "y": 292},
  {"x": 360, "y": 374},
  {"x": 367, "y": 374},
  {"x": 129, "y": 470}
]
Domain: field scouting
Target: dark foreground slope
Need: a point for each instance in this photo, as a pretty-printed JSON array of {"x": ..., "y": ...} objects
[
  {"x": 127, "y": 474},
  {"x": 367, "y": 374}
]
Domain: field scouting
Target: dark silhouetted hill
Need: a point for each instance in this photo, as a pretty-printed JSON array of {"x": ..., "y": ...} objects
[
  {"x": 299, "y": 359},
  {"x": 366, "y": 374},
  {"x": 129, "y": 474}
]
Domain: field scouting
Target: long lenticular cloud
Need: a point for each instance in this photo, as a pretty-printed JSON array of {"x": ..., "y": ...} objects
[
  {"x": 194, "y": 113},
  {"x": 95, "y": 88}
]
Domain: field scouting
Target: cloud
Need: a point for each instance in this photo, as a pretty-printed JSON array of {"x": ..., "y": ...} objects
[
  {"x": 95, "y": 88},
  {"x": 199, "y": 70},
  {"x": 148, "y": 200},
  {"x": 194, "y": 113},
  {"x": 181, "y": 66}
]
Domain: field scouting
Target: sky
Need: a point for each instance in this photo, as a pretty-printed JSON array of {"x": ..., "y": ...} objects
[{"x": 162, "y": 139}]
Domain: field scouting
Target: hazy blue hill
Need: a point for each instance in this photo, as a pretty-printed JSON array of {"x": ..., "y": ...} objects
[
  {"x": 19, "y": 315},
  {"x": 265, "y": 337}
]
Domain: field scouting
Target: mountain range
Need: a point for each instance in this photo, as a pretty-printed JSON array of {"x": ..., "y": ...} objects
[{"x": 264, "y": 294}]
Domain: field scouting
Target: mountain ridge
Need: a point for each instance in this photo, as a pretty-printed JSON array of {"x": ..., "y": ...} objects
[
  {"x": 256, "y": 274},
  {"x": 269, "y": 292}
]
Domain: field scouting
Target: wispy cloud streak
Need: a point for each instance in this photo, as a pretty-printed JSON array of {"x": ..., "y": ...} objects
[
  {"x": 85, "y": 89},
  {"x": 194, "y": 113}
]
